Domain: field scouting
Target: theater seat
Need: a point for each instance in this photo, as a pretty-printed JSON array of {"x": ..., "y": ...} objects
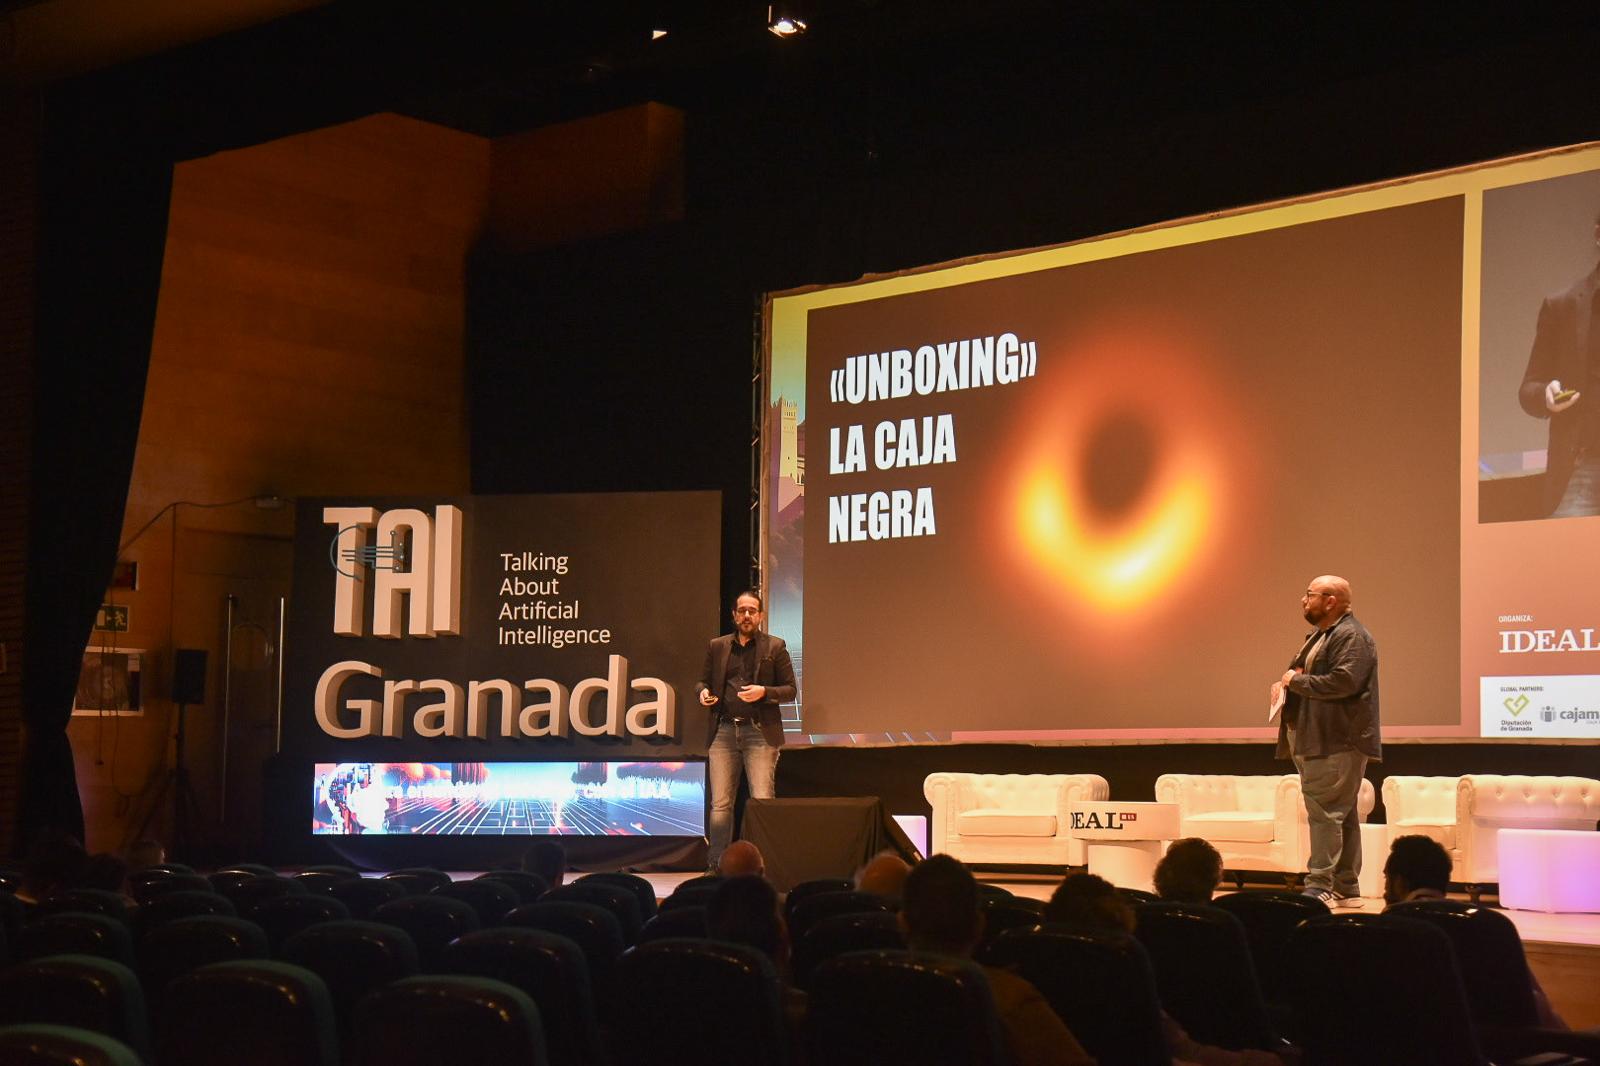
[
  {"x": 1466, "y": 813},
  {"x": 675, "y": 922},
  {"x": 792, "y": 899},
  {"x": 492, "y": 900},
  {"x": 1008, "y": 818},
  {"x": 642, "y": 889},
  {"x": 1101, "y": 984},
  {"x": 183, "y": 945},
  {"x": 82, "y": 991},
  {"x": 87, "y": 901},
  {"x": 720, "y": 1002},
  {"x": 529, "y": 887},
  {"x": 1269, "y": 918},
  {"x": 594, "y": 929},
  {"x": 146, "y": 885},
  {"x": 250, "y": 1013},
  {"x": 284, "y": 916},
  {"x": 353, "y": 958},
  {"x": 62, "y": 1045},
  {"x": 1205, "y": 973},
  {"x": 551, "y": 971},
  {"x": 1499, "y": 987},
  {"x": 171, "y": 906},
  {"x": 426, "y": 1021},
  {"x": 814, "y": 908},
  {"x": 1257, "y": 822},
  {"x": 874, "y": 1007},
  {"x": 1399, "y": 996},
  {"x": 72, "y": 933},
  {"x": 432, "y": 921},
  {"x": 620, "y": 900},
  {"x": 365, "y": 895},
  {"x": 831, "y": 937}
]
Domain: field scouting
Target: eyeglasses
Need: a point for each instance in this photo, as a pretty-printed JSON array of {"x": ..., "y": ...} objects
[
  {"x": 737, "y": 611},
  {"x": 1311, "y": 594}
]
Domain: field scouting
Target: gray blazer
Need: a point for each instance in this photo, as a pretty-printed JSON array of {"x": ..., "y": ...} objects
[
  {"x": 1335, "y": 707},
  {"x": 774, "y": 670}
]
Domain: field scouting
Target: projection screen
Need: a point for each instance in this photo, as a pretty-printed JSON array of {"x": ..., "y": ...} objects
[{"x": 1075, "y": 493}]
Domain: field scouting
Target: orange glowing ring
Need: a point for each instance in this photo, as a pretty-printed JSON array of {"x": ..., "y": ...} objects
[{"x": 1116, "y": 562}]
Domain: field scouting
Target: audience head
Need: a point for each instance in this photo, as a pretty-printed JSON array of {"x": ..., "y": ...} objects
[
  {"x": 1415, "y": 862},
  {"x": 741, "y": 859},
  {"x": 548, "y": 859},
  {"x": 746, "y": 910},
  {"x": 939, "y": 907},
  {"x": 1189, "y": 872},
  {"x": 145, "y": 854},
  {"x": 1089, "y": 903},
  {"x": 55, "y": 863},
  {"x": 883, "y": 875},
  {"x": 104, "y": 871}
]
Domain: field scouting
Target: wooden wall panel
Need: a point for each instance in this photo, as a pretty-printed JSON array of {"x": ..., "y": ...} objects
[
  {"x": 605, "y": 174},
  {"x": 308, "y": 341}
]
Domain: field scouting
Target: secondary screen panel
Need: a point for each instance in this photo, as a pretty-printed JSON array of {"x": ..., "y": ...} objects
[{"x": 509, "y": 799}]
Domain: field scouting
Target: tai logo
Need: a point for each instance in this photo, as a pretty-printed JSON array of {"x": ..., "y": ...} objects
[
  {"x": 1518, "y": 705},
  {"x": 429, "y": 546}
]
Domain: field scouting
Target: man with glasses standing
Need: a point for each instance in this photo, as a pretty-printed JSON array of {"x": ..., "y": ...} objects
[
  {"x": 747, "y": 674},
  {"x": 1329, "y": 727}
]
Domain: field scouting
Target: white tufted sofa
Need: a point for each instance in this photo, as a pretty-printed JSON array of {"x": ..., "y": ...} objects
[
  {"x": 1256, "y": 822},
  {"x": 1464, "y": 813},
  {"x": 1008, "y": 818}
]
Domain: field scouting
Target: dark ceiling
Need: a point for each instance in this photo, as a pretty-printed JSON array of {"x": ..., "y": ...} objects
[{"x": 887, "y": 81}]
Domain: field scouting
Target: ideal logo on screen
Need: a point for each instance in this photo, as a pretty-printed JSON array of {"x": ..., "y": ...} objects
[{"x": 410, "y": 559}]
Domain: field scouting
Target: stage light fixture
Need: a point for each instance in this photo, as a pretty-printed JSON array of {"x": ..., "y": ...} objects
[{"x": 784, "y": 21}]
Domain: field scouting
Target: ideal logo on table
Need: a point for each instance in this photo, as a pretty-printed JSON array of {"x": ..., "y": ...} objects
[{"x": 1103, "y": 819}]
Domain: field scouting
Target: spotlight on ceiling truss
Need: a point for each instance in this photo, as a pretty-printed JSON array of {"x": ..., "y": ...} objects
[{"x": 783, "y": 20}]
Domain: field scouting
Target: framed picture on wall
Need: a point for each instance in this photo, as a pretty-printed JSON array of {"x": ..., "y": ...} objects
[{"x": 109, "y": 682}]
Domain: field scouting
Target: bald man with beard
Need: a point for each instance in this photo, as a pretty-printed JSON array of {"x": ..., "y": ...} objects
[{"x": 1329, "y": 727}]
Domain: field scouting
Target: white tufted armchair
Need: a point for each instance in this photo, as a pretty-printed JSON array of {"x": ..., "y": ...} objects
[
  {"x": 1008, "y": 818},
  {"x": 1256, "y": 822},
  {"x": 1464, "y": 813}
]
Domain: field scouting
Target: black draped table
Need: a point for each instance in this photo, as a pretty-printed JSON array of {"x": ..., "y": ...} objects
[{"x": 810, "y": 838}]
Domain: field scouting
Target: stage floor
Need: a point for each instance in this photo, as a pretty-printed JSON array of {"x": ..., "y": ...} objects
[{"x": 1534, "y": 926}]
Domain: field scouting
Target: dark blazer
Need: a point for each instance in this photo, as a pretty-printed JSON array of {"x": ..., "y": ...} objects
[
  {"x": 1561, "y": 351},
  {"x": 1335, "y": 707},
  {"x": 773, "y": 670}
]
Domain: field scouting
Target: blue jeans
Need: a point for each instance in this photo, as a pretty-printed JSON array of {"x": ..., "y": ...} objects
[
  {"x": 1583, "y": 489},
  {"x": 1330, "y": 785},
  {"x": 737, "y": 748}
]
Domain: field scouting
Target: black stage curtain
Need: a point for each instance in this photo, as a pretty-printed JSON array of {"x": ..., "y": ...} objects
[{"x": 104, "y": 189}]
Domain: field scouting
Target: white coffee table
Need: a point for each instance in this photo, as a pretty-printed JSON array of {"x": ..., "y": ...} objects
[
  {"x": 1551, "y": 870},
  {"x": 1123, "y": 840}
]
